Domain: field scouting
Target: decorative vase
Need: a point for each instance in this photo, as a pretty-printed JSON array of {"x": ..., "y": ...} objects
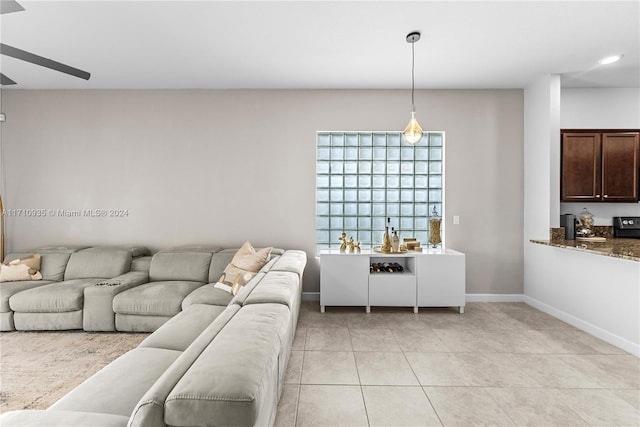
[
  {"x": 585, "y": 229},
  {"x": 434, "y": 228}
]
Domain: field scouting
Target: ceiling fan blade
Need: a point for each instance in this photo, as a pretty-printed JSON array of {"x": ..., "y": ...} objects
[
  {"x": 8, "y": 6},
  {"x": 6, "y": 81},
  {"x": 42, "y": 61}
]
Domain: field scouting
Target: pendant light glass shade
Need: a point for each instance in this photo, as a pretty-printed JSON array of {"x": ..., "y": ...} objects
[{"x": 413, "y": 132}]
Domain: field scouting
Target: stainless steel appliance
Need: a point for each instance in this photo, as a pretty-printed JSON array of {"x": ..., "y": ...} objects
[
  {"x": 626, "y": 226},
  {"x": 568, "y": 221}
]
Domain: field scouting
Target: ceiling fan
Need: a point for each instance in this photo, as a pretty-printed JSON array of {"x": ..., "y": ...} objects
[{"x": 9, "y": 6}]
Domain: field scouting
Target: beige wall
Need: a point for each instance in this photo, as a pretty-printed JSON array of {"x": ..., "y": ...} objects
[{"x": 204, "y": 166}]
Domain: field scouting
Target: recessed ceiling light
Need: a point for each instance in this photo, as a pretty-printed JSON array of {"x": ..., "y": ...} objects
[{"x": 610, "y": 59}]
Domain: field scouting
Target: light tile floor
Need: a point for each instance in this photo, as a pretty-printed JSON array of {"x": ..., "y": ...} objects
[{"x": 499, "y": 364}]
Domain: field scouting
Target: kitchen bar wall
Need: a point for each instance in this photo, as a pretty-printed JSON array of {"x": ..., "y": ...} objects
[{"x": 596, "y": 293}]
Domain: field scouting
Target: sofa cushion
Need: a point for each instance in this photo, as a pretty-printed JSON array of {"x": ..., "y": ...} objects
[
  {"x": 188, "y": 266},
  {"x": 243, "y": 361},
  {"x": 52, "y": 264},
  {"x": 278, "y": 287},
  {"x": 43, "y": 321},
  {"x": 141, "y": 264},
  {"x": 100, "y": 263},
  {"x": 219, "y": 261},
  {"x": 30, "y": 418},
  {"x": 140, "y": 322},
  {"x": 117, "y": 388},
  {"x": 155, "y": 298},
  {"x": 207, "y": 294},
  {"x": 8, "y": 289},
  {"x": 53, "y": 298},
  {"x": 179, "y": 332},
  {"x": 293, "y": 261},
  {"x": 277, "y": 251},
  {"x": 149, "y": 411}
]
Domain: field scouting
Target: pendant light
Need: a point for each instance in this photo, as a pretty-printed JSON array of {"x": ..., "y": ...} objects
[{"x": 413, "y": 132}]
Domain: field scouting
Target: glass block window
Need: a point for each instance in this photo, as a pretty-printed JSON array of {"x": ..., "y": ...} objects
[{"x": 363, "y": 178}]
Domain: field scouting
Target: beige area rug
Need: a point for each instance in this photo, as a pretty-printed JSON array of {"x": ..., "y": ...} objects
[{"x": 38, "y": 368}]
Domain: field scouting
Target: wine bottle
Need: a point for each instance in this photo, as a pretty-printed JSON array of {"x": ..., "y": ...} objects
[
  {"x": 395, "y": 241},
  {"x": 386, "y": 239}
]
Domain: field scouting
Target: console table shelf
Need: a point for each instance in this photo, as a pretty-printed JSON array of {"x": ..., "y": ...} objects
[{"x": 428, "y": 279}]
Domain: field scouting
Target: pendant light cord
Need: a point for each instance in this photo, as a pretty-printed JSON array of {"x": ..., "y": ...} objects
[{"x": 413, "y": 78}]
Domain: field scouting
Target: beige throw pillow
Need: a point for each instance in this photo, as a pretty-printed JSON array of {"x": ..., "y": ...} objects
[
  {"x": 33, "y": 262},
  {"x": 20, "y": 269},
  {"x": 243, "y": 267},
  {"x": 247, "y": 258}
]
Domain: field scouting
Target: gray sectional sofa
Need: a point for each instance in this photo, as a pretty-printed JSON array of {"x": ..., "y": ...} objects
[
  {"x": 44, "y": 306},
  {"x": 173, "y": 275},
  {"x": 213, "y": 360}
]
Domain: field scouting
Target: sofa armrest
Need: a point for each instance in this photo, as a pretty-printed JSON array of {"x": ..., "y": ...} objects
[
  {"x": 98, "y": 312},
  {"x": 34, "y": 418}
]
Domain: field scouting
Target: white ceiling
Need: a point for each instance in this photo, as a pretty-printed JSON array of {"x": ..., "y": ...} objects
[{"x": 323, "y": 44}]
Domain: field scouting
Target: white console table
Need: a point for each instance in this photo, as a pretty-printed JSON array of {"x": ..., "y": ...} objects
[{"x": 434, "y": 278}]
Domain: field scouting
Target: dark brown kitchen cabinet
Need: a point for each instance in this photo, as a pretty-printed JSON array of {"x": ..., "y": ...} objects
[{"x": 600, "y": 166}]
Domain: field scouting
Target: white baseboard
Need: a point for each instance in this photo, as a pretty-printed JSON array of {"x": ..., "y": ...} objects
[
  {"x": 596, "y": 331},
  {"x": 315, "y": 296},
  {"x": 494, "y": 297},
  {"x": 311, "y": 296}
]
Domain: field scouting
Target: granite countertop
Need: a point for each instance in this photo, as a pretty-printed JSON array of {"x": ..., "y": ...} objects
[{"x": 613, "y": 247}]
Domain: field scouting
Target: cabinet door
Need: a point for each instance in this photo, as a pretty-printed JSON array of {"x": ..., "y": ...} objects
[
  {"x": 620, "y": 153},
  {"x": 441, "y": 280},
  {"x": 392, "y": 289},
  {"x": 344, "y": 280},
  {"x": 581, "y": 167}
]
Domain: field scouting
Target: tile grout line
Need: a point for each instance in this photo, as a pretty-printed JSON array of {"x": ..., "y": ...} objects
[
  {"x": 500, "y": 406},
  {"x": 304, "y": 345},
  {"x": 433, "y": 408},
  {"x": 364, "y": 402}
]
